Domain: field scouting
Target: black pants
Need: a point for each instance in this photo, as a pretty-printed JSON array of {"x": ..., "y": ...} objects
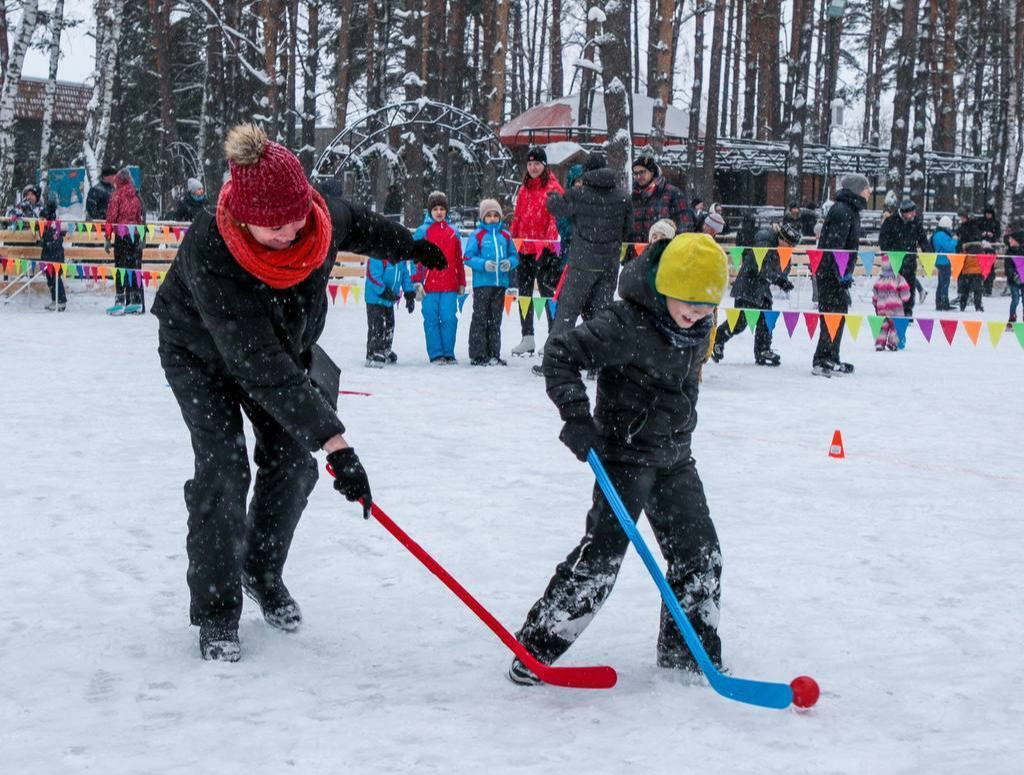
[
  {"x": 673, "y": 499},
  {"x": 827, "y": 350},
  {"x": 55, "y": 283},
  {"x": 485, "y": 326},
  {"x": 223, "y": 540},
  {"x": 971, "y": 285},
  {"x": 762, "y": 336},
  {"x": 544, "y": 270},
  {"x": 128, "y": 255},
  {"x": 380, "y": 329},
  {"x": 583, "y": 293}
]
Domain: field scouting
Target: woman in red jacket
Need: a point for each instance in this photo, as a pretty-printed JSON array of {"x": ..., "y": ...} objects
[{"x": 538, "y": 261}]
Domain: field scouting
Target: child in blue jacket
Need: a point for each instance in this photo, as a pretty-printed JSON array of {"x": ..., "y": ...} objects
[
  {"x": 386, "y": 284},
  {"x": 491, "y": 254}
]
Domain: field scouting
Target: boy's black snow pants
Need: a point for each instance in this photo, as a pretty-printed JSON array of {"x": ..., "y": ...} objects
[
  {"x": 485, "y": 326},
  {"x": 128, "y": 255},
  {"x": 971, "y": 287},
  {"x": 584, "y": 292},
  {"x": 544, "y": 270},
  {"x": 673, "y": 499},
  {"x": 223, "y": 540},
  {"x": 762, "y": 336},
  {"x": 380, "y": 329}
]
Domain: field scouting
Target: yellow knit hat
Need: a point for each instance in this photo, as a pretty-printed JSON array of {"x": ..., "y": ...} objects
[{"x": 693, "y": 268}]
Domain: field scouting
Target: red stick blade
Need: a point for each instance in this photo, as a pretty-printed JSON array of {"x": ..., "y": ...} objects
[{"x": 597, "y": 677}]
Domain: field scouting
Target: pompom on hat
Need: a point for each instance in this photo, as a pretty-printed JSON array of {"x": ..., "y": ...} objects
[
  {"x": 693, "y": 269},
  {"x": 268, "y": 186}
]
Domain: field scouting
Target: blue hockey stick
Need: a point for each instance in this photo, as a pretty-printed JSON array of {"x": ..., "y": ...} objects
[{"x": 767, "y": 695}]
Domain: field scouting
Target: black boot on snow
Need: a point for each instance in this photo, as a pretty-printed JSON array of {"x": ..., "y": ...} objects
[
  {"x": 278, "y": 606},
  {"x": 718, "y": 352},
  {"x": 518, "y": 673},
  {"x": 219, "y": 642},
  {"x": 842, "y": 368},
  {"x": 767, "y": 358}
]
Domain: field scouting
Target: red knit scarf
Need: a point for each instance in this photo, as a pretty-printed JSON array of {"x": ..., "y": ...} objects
[{"x": 278, "y": 268}]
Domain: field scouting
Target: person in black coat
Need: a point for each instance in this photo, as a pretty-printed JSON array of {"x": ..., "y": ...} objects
[
  {"x": 52, "y": 239},
  {"x": 905, "y": 232},
  {"x": 752, "y": 289},
  {"x": 240, "y": 311},
  {"x": 98, "y": 198},
  {"x": 191, "y": 204},
  {"x": 649, "y": 347},
  {"x": 841, "y": 231}
]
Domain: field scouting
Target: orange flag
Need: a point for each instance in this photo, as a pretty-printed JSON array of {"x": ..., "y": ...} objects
[
  {"x": 785, "y": 255},
  {"x": 509, "y": 299},
  {"x": 832, "y": 321},
  {"x": 344, "y": 293},
  {"x": 973, "y": 329},
  {"x": 956, "y": 263}
]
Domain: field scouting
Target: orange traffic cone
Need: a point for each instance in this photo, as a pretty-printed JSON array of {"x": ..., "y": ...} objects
[{"x": 837, "y": 450}]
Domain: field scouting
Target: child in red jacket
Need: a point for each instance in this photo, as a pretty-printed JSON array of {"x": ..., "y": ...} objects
[{"x": 440, "y": 288}]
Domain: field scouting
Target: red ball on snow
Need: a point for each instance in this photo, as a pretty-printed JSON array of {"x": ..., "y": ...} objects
[{"x": 805, "y": 691}]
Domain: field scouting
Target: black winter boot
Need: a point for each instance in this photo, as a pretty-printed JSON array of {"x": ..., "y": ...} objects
[
  {"x": 278, "y": 606},
  {"x": 520, "y": 674},
  {"x": 219, "y": 642},
  {"x": 767, "y": 358}
]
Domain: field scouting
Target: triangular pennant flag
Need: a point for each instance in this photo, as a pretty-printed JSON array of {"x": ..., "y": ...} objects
[
  {"x": 995, "y": 331},
  {"x": 150, "y": 229},
  {"x": 842, "y": 258},
  {"x": 357, "y": 292},
  {"x": 553, "y": 307},
  {"x": 462, "y": 301},
  {"x": 177, "y": 233},
  {"x": 770, "y": 317},
  {"x": 508, "y": 303},
  {"x": 791, "y": 319},
  {"x": 973, "y": 329},
  {"x": 122, "y": 230},
  {"x": 736, "y": 254},
  {"x": 622, "y": 253},
  {"x": 896, "y": 259},
  {"x": 814, "y": 259},
  {"x": 145, "y": 278},
  {"x": 333, "y": 290},
  {"x": 732, "y": 316},
  {"x": 900, "y": 324},
  {"x": 141, "y": 232},
  {"x": 833, "y": 319},
  {"x": 132, "y": 278},
  {"x": 853, "y": 325},
  {"x": 538, "y": 307},
  {"x": 785, "y": 255},
  {"x": 120, "y": 275},
  {"x": 556, "y": 246},
  {"x": 811, "y": 321},
  {"x": 166, "y": 230},
  {"x": 949, "y": 329},
  {"x": 876, "y": 324},
  {"x": 518, "y": 242},
  {"x": 524, "y": 305},
  {"x": 1018, "y": 329},
  {"x": 759, "y": 254},
  {"x": 42, "y": 226},
  {"x": 752, "y": 316},
  {"x": 926, "y": 325},
  {"x": 956, "y": 263},
  {"x": 345, "y": 290},
  {"x": 928, "y": 262},
  {"x": 1018, "y": 262},
  {"x": 987, "y": 261},
  {"x": 640, "y": 247}
]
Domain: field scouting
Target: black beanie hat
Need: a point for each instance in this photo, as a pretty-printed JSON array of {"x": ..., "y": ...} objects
[
  {"x": 594, "y": 161},
  {"x": 647, "y": 162},
  {"x": 536, "y": 153},
  {"x": 108, "y": 171}
]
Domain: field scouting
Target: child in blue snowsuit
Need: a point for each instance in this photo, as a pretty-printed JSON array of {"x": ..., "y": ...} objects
[
  {"x": 385, "y": 285},
  {"x": 440, "y": 289},
  {"x": 491, "y": 255}
]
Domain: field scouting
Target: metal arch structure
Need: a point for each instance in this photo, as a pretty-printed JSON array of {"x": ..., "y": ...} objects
[{"x": 467, "y": 158}]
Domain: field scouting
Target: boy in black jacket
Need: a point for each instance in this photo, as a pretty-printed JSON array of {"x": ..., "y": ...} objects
[{"x": 649, "y": 348}]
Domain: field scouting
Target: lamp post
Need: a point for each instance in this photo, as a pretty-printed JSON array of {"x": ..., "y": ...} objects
[{"x": 834, "y": 10}]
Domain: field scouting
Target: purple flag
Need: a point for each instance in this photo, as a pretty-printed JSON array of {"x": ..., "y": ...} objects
[
  {"x": 1018, "y": 262},
  {"x": 842, "y": 258},
  {"x": 791, "y": 319},
  {"x": 926, "y": 325}
]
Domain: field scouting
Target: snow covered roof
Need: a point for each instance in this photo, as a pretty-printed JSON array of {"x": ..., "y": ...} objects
[
  {"x": 70, "y": 104},
  {"x": 558, "y": 120}
]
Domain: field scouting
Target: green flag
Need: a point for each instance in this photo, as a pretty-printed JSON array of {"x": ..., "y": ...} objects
[
  {"x": 736, "y": 253},
  {"x": 752, "y": 316},
  {"x": 876, "y": 323}
]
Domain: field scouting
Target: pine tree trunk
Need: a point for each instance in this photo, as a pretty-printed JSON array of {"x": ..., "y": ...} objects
[
  {"x": 343, "y": 68},
  {"x": 734, "y": 107},
  {"x": 56, "y": 29},
  {"x": 588, "y": 77},
  {"x": 635, "y": 31},
  {"x": 291, "y": 85},
  {"x": 768, "y": 69},
  {"x": 212, "y": 117},
  {"x": 798, "y": 115},
  {"x": 435, "y": 76},
  {"x": 750, "y": 78},
  {"x": 658, "y": 77},
  {"x": 1015, "y": 25},
  {"x": 945, "y": 125},
  {"x": 791, "y": 61},
  {"x": 160, "y": 20},
  {"x": 412, "y": 141},
  {"x": 5, "y": 51},
  {"x": 310, "y": 66},
  {"x": 556, "y": 89},
  {"x": 999, "y": 136},
  {"x": 730, "y": 34},
  {"x": 497, "y": 62},
  {"x": 693, "y": 174},
  {"x": 616, "y": 76},
  {"x": 915, "y": 159},
  {"x": 977, "y": 112},
  {"x": 455, "y": 64},
  {"x": 542, "y": 21},
  {"x": 270, "y": 111},
  {"x": 714, "y": 90},
  {"x": 22, "y": 39},
  {"x": 897, "y": 163}
]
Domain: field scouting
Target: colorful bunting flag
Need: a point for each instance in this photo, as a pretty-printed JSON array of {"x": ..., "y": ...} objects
[
  {"x": 995, "y": 331},
  {"x": 357, "y": 292},
  {"x": 949, "y": 329},
  {"x": 538, "y": 307},
  {"x": 926, "y": 325},
  {"x": 811, "y": 321},
  {"x": 814, "y": 259},
  {"x": 732, "y": 316},
  {"x": 896, "y": 259},
  {"x": 622, "y": 253},
  {"x": 771, "y": 317},
  {"x": 901, "y": 324},
  {"x": 842, "y": 258},
  {"x": 736, "y": 254},
  {"x": 508, "y": 303},
  {"x": 853, "y": 325},
  {"x": 462, "y": 301},
  {"x": 524, "y": 306},
  {"x": 553, "y": 307},
  {"x": 785, "y": 256},
  {"x": 875, "y": 321},
  {"x": 752, "y": 316},
  {"x": 1018, "y": 329},
  {"x": 987, "y": 261},
  {"x": 928, "y": 262},
  {"x": 333, "y": 290},
  {"x": 640, "y": 247},
  {"x": 518, "y": 242},
  {"x": 833, "y": 319},
  {"x": 791, "y": 319},
  {"x": 759, "y": 254},
  {"x": 1018, "y": 262},
  {"x": 345, "y": 290},
  {"x": 973, "y": 329},
  {"x": 956, "y": 263}
]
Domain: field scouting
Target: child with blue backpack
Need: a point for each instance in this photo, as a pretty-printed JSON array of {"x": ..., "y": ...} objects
[
  {"x": 385, "y": 285},
  {"x": 491, "y": 254}
]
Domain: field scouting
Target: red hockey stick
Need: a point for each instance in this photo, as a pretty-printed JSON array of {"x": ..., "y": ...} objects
[{"x": 599, "y": 677}]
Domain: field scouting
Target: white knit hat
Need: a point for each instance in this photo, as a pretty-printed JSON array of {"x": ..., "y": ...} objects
[{"x": 663, "y": 229}]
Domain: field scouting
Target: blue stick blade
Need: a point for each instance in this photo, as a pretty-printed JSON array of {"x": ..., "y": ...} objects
[{"x": 761, "y": 693}]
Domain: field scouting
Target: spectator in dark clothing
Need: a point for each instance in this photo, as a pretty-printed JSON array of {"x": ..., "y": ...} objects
[
  {"x": 905, "y": 233},
  {"x": 98, "y": 198},
  {"x": 752, "y": 289},
  {"x": 794, "y": 215},
  {"x": 992, "y": 232},
  {"x": 809, "y": 219},
  {"x": 190, "y": 205},
  {"x": 53, "y": 252},
  {"x": 977, "y": 237},
  {"x": 747, "y": 230},
  {"x": 393, "y": 202},
  {"x": 29, "y": 206},
  {"x": 841, "y": 231},
  {"x": 655, "y": 198},
  {"x": 1013, "y": 263}
]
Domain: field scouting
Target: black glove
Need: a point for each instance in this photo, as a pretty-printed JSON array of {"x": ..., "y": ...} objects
[
  {"x": 350, "y": 477},
  {"x": 785, "y": 284},
  {"x": 846, "y": 283},
  {"x": 410, "y": 301},
  {"x": 427, "y": 253},
  {"x": 580, "y": 435}
]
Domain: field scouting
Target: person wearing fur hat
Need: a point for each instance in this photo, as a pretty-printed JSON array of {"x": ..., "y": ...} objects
[
  {"x": 124, "y": 212},
  {"x": 439, "y": 290},
  {"x": 191, "y": 204},
  {"x": 492, "y": 256},
  {"x": 655, "y": 198},
  {"x": 539, "y": 262},
  {"x": 649, "y": 347},
  {"x": 240, "y": 312}
]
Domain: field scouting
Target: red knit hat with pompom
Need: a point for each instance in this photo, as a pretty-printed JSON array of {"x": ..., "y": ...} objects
[{"x": 268, "y": 186}]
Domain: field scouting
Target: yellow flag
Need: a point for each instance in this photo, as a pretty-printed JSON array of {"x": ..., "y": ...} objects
[
  {"x": 732, "y": 314},
  {"x": 524, "y": 305},
  {"x": 853, "y": 324},
  {"x": 995, "y": 331}
]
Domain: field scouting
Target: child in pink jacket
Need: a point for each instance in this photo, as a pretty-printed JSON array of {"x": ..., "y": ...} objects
[{"x": 889, "y": 294}]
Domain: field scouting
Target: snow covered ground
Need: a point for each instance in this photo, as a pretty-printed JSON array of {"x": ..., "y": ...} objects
[{"x": 895, "y": 576}]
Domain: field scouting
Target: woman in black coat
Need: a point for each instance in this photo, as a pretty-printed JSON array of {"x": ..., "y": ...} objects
[{"x": 241, "y": 310}]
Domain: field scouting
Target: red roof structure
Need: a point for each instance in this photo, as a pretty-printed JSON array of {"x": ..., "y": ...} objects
[{"x": 70, "y": 105}]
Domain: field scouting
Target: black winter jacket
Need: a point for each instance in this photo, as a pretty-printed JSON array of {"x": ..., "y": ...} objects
[
  {"x": 907, "y": 236},
  {"x": 753, "y": 284},
  {"x": 841, "y": 231},
  {"x": 187, "y": 209},
  {"x": 602, "y": 218},
  {"x": 217, "y": 317},
  {"x": 96, "y": 201},
  {"x": 647, "y": 387}
]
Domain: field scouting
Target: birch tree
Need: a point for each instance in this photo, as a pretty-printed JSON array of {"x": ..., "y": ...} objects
[
  {"x": 56, "y": 29},
  {"x": 9, "y": 93},
  {"x": 897, "y": 163},
  {"x": 1015, "y": 23}
]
